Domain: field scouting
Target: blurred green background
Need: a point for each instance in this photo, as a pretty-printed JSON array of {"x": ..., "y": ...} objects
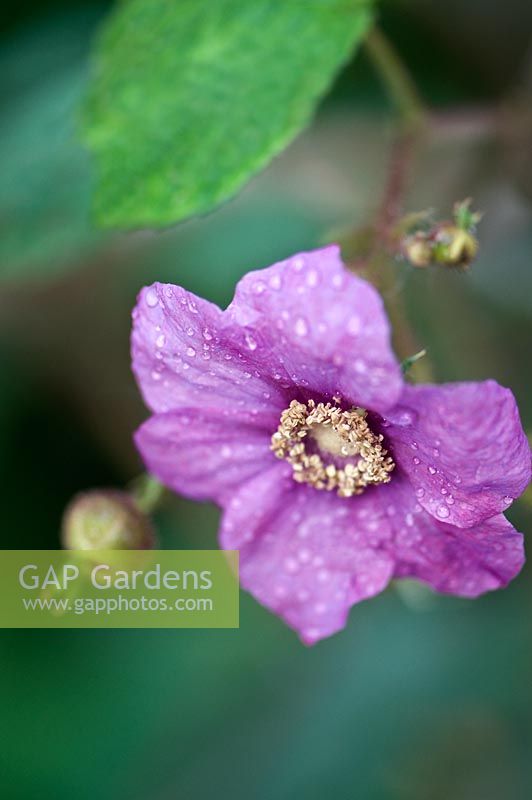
[{"x": 421, "y": 696}]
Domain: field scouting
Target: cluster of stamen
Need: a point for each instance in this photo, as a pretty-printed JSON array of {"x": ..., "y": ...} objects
[{"x": 308, "y": 431}]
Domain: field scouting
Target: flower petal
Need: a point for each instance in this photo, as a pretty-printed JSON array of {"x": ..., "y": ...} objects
[
  {"x": 462, "y": 561},
  {"x": 309, "y": 555},
  {"x": 205, "y": 455},
  {"x": 304, "y": 554},
  {"x": 462, "y": 447},
  {"x": 182, "y": 358},
  {"x": 316, "y": 325}
]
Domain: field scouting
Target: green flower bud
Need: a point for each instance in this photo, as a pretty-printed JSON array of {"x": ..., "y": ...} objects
[
  {"x": 454, "y": 246},
  {"x": 418, "y": 250},
  {"x": 106, "y": 520}
]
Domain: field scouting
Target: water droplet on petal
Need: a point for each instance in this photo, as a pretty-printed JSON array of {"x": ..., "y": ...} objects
[
  {"x": 151, "y": 298},
  {"x": 250, "y": 341},
  {"x": 191, "y": 352},
  {"x": 160, "y": 341},
  {"x": 415, "y": 460},
  {"x": 442, "y": 512},
  {"x": 312, "y": 278},
  {"x": 301, "y": 327},
  {"x": 432, "y": 470},
  {"x": 275, "y": 282},
  {"x": 354, "y": 325},
  {"x": 291, "y": 565}
]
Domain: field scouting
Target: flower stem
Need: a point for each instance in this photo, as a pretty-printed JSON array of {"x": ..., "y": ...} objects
[
  {"x": 147, "y": 492},
  {"x": 380, "y": 264}
]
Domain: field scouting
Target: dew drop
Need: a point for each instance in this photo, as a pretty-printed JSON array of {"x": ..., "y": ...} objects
[
  {"x": 291, "y": 565},
  {"x": 312, "y": 278},
  {"x": 354, "y": 325},
  {"x": 300, "y": 327},
  {"x": 207, "y": 334},
  {"x": 432, "y": 470},
  {"x": 275, "y": 282},
  {"x": 191, "y": 352},
  {"x": 442, "y": 512},
  {"x": 416, "y": 460},
  {"x": 151, "y": 298},
  {"x": 250, "y": 341}
]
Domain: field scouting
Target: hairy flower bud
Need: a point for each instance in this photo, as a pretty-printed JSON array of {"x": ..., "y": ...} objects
[
  {"x": 417, "y": 250},
  {"x": 448, "y": 244},
  {"x": 106, "y": 520},
  {"x": 454, "y": 247}
]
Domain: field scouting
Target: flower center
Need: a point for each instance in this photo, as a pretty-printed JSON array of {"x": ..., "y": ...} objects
[{"x": 330, "y": 448}]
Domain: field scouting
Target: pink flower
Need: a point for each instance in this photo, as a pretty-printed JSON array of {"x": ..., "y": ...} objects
[{"x": 289, "y": 410}]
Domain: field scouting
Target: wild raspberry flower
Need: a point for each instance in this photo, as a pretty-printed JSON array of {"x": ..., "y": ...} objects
[{"x": 289, "y": 410}]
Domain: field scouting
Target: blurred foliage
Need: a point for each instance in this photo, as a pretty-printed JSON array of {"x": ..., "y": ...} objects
[
  {"x": 423, "y": 703},
  {"x": 46, "y": 187}
]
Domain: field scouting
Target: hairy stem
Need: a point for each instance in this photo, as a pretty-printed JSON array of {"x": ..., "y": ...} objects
[
  {"x": 411, "y": 125},
  {"x": 396, "y": 79}
]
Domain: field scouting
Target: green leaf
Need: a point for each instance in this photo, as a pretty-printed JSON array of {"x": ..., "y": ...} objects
[{"x": 190, "y": 99}]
